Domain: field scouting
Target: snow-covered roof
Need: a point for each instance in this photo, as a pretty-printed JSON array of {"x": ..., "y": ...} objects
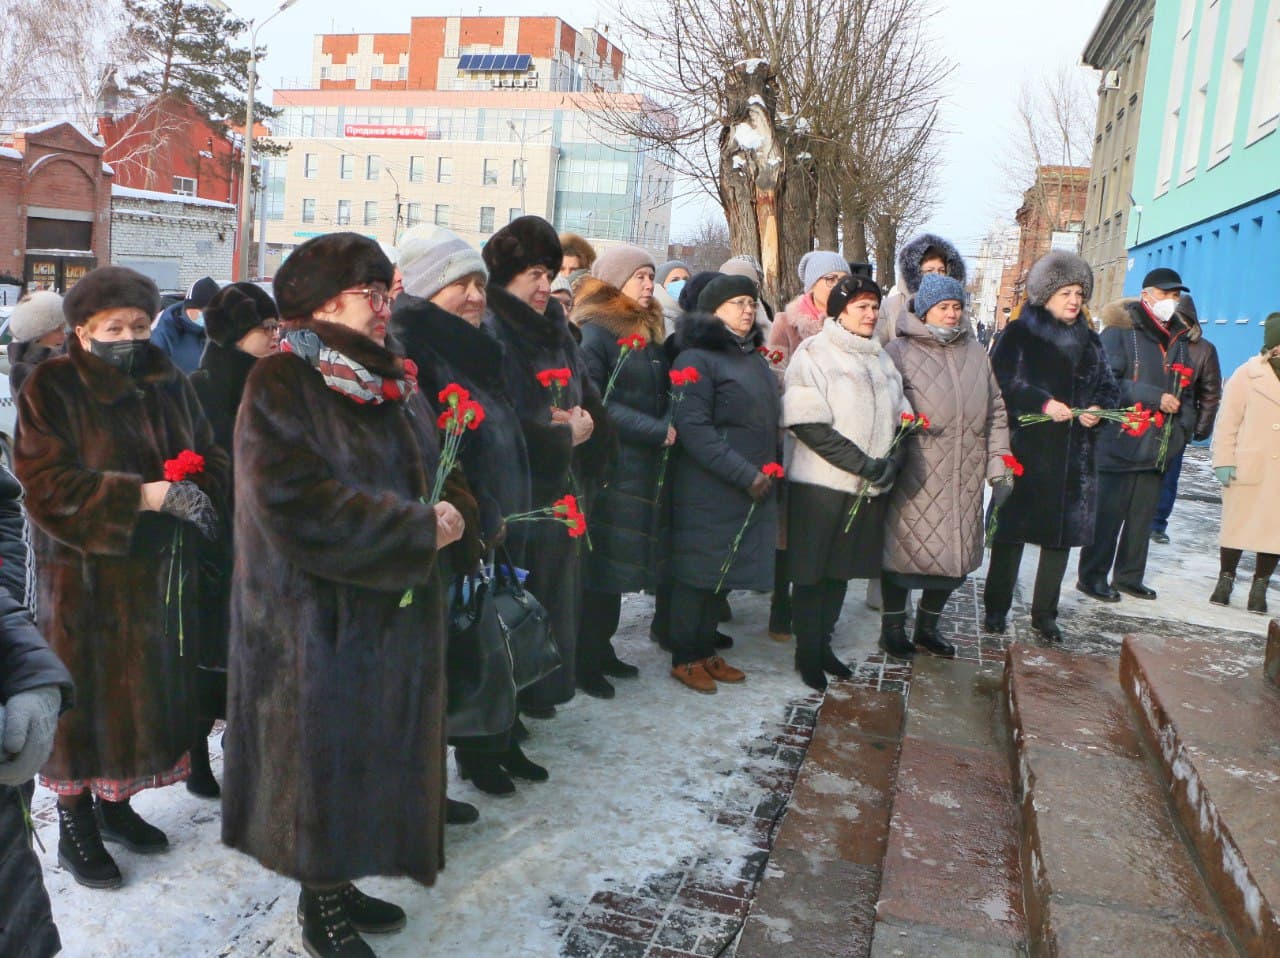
[
  {"x": 50, "y": 124},
  {"x": 9, "y": 153},
  {"x": 126, "y": 192}
]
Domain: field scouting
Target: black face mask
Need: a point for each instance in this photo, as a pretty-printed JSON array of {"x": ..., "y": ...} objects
[{"x": 125, "y": 355}]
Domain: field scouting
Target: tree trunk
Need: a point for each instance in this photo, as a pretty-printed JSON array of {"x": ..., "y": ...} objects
[
  {"x": 855, "y": 236},
  {"x": 827, "y": 214},
  {"x": 886, "y": 230},
  {"x": 798, "y": 211}
]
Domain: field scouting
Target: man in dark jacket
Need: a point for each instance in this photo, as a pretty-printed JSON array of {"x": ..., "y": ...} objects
[
  {"x": 179, "y": 330},
  {"x": 1206, "y": 385},
  {"x": 1143, "y": 339}
]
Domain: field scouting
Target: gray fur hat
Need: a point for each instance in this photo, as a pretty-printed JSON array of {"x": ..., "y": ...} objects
[
  {"x": 913, "y": 254},
  {"x": 1054, "y": 270},
  {"x": 37, "y": 315}
]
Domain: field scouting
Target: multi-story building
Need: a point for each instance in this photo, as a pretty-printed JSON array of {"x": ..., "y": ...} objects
[
  {"x": 990, "y": 299},
  {"x": 466, "y": 122},
  {"x": 1051, "y": 217},
  {"x": 1118, "y": 50},
  {"x": 1207, "y": 180}
]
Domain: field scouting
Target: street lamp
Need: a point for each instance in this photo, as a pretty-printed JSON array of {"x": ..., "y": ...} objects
[
  {"x": 524, "y": 173},
  {"x": 246, "y": 173}
]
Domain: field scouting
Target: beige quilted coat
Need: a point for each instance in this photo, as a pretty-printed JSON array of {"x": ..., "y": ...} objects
[
  {"x": 1247, "y": 436},
  {"x": 935, "y": 521}
]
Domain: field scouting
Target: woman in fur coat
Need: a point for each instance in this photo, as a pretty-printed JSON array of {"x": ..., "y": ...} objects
[
  {"x": 335, "y": 743},
  {"x": 111, "y": 538},
  {"x": 568, "y": 442},
  {"x": 935, "y": 532},
  {"x": 628, "y": 538},
  {"x": 843, "y": 403},
  {"x": 727, "y": 425},
  {"x": 1048, "y": 361}
]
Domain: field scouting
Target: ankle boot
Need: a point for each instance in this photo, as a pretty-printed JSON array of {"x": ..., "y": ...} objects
[
  {"x": 1258, "y": 596},
  {"x": 80, "y": 848},
  {"x": 460, "y": 813},
  {"x": 1045, "y": 625},
  {"x": 995, "y": 623},
  {"x": 926, "y": 635},
  {"x": 1222, "y": 591},
  {"x": 367, "y": 914},
  {"x": 119, "y": 823},
  {"x": 327, "y": 931},
  {"x": 518, "y": 765},
  {"x": 201, "y": 781},
  {"x": 893, "y": 639},
  {"x": 832, "y": 665},
  {"x": 482, "y": 770},
  {"x": 809, "y": 661}
]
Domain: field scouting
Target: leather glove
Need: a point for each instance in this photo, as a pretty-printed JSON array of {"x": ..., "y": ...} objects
[
  {"x": 188, "y": 502},
  {"x": 759, "y": 487},
  {"x": 27, "y": 723},
  {"x": 881, "y": 472},
  {"x": 1225, "y": 474},
  {"x": 1001, "y": 490}
]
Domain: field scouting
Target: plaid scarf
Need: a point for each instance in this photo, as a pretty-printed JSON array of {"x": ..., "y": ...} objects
[{"x": 344, "y": 375}]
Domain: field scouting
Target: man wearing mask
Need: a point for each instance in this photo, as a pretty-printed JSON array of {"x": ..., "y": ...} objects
[
  {"x": 669, "y": 280},
  {"x": 1144, "y": 339},
  {"x": 179, "y": 330}
]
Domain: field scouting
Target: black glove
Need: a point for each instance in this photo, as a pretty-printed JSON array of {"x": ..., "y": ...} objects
[
  {"x": 188, "y": 502},
  {"x": 1000, "y": 492},
  {"x": 759, "y": 487},
  {"x": 881, "y": 472}
]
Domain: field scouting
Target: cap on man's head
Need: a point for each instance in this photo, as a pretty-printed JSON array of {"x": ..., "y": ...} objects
[
  {"x": 201, "y": 293},
  {"x": 1165, "y": 279}
]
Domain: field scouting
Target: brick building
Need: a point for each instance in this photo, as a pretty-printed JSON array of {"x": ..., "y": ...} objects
[
  {"x": 56, "y": 192},
  {"x": 1051, "y": 217},
  {"x": 173, "y": 239}
]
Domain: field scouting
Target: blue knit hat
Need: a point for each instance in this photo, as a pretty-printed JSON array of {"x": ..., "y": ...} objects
[
  {"x": 934, "y": 289},
  {"x": 817, "y": 264}
]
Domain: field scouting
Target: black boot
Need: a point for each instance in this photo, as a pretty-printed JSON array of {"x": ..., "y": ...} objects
[
  {"x": 482, "y": 770},
  {"x": 722, "y": 604},
  {"x": 1222, "y": 591},
  {"x": 119, "y": 823},
  {"x": 926, "y": 635},
  {"x": 517, "y": 765},
  {"x": 809, "y": 661},
  {"x": 460, "y": 813},
  {"x": 994, "y": 622},
  {"x": 1046, "y": 627},
  {"x": 327, "y": 930},
  {"x": 519, "y": 731},
  {"x": 80, "y": 849},
  {"x": 1258, "y": 596},
  {"x": 893, "y": 639},
  {"x": 614, "y": 667},
  {"x": 595, "y": 685},
  {"x": 832, "y": 665},
  {"x": 366, "y": 914},
  {"x": 723, "y": 641},
  {"x": 201, "y": 782}
]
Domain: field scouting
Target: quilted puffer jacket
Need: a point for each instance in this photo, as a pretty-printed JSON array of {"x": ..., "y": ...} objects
[{"x": 935, "y": 521}]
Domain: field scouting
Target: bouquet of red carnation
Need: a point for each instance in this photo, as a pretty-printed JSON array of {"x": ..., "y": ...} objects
[
  {"x": 180, "y": 468},
  {"x": 626, "y": 346},
  {"x": 564, "y": 510},
  {"x": 772, "y": 356},
  {"x": 1015, "y": 469},
  {"x": 1182, "y": 376},
  {"x": 461, "y": 413},
  {"x": 773, "y": 471},
  {"x": 1129, "y": 417},
  {"x": 907, "y": 425},
  {"x": 678, "y": 377},
  {"x": 557, "y": 380}
]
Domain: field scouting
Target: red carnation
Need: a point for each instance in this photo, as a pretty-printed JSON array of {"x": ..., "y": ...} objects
[
  {"x": 676, "y": 377},
  {"x": 545, "y": 376},
  {"x": 1011, "y": 463},
  {"x": 772, "y": 470},
  {"x": 186, "y": 464},
  {"x": 908, "y": 419},
  {"x": 923, "y": 421},
  {"x": 472, "y": 413},
  {"x": 691, "y": 374},
  {"x": 453, "y": 394}
]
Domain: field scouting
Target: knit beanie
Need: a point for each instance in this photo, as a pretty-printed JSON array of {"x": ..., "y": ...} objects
[
  {"x": 724, "y": 288},
  {"x": 849, "y": 289},
  {"x": 693, "y": 289},
  {"x": 561, "y": 284},
  {"x": 618, "y": 264},
  {"x": 323, "y": 267},
  {"x": 109, "y": 287},
  {"x": 432, "y": 258},
  {"x": 237, "y": 310},
  {"x": 667, "y": 268},
  {"x": 743, "y": 265},
  {"x": 1271, "y": 332},
  {"x": 935, "y": 289},
  {"x": 817, "y": 264},
  {"x": 36, "y": 316}
]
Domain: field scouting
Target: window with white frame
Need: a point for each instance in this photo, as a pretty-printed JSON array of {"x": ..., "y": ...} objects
[
  {"x": 308, "y": 211},
  {"x": 442, "y": 212},
  {"x": 514, "y": 213},
  {"x": 346, "y": 167},
  {"x": 490, "y": 174},
  {"x": 1230, "y": 79},
  {"x": 370, "y": 212},
  {"x": 417, "y": 169},
  {"x": 373, "y": 167},
  {"x": 376, "y": 73},
  {"x": 412, "y": 214},
  {"x": 310, "y": 165},
  {"x": 486, "y": 219},
  {"x": 184, "y": 186},
  {"x": 444, "y": 169},
  {"x": 344, "y": 212},
  {"x": 1264, "y": 116},
  {"x": 403, "y": 73},
  {"x": 1198, "y": 104},
  {"x": 517, "y": 172}
]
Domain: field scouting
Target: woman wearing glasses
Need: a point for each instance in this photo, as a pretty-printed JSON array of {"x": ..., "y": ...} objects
[
  {"x": 335, "y": 745},
  {"x": 727, "y": 428}
]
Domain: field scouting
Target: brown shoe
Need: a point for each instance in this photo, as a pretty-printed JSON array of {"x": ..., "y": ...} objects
[
  {"x": 694, "y": 675},
  {"x": 780, "y": 636},
  {"x": 722, "y": 671}
]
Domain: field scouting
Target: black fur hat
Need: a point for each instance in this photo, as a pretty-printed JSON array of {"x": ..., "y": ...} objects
[
  {"x": 522, "y": 243},
  {"x": 323, "y": 267},
  {"x": 236, "y": 310},
  {"x": 109, "y": 287}
]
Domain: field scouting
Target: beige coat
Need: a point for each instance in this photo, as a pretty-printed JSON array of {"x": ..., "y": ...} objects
[{"x": 1247, "y": 436}]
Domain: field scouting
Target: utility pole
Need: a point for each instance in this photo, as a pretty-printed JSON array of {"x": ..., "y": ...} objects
[{"x": 524, "y": 172}]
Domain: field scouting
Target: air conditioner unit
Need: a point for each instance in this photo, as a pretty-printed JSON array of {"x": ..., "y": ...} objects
[
  {"x": 1111, "y": 80},
  {"x": 496, "y": 84}
]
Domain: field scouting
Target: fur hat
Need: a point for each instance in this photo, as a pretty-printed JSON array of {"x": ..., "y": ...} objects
[
  {"x": 723, "y": 288},
  {"x": 109, "y": 287},
  {"x": 935, "y": 289},
  {"x": 201, "y": 293},
  {"x": 524, "y": 242},
  {"x": 1054, "y": 270},
  {"x": 574, "y": 245},
  {"x": 743, "y": 265},
  {"x": 666, "y": 269},
  {"x": 849, "y": 289},
  {"x": 237, "y": 310},
  {"x": 37, "y": 315},
  {"x": 432, "y": 258},
  {"x": 818, "y": 263},
  {"x": 323, "y": 267},
  {"x": 693, "y": 289},
  {"x": 913, "y": 254},
  {"x": 618, "y": 264}
]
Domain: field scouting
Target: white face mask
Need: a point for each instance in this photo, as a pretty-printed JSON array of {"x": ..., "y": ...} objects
[{"x": 1164, "y": 309}]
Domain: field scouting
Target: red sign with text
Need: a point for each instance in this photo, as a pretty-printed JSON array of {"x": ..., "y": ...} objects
[{"x": 386, "y": 132}]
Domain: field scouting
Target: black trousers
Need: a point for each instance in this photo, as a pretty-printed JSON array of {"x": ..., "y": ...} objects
[
  {"x": 600, "y": 614},
  {"x": 1127, "y": 503},
  {"x": 780, "y": 604},
  {"x": 1002, "y": 575},
  {"x": 695, "y": 615},
  {"x": 815, "y": 609}
]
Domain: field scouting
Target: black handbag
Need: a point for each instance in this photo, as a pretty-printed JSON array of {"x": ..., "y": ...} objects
[
  {"x": 526, "y": 625},
  {"x": 482, "y": 691}
]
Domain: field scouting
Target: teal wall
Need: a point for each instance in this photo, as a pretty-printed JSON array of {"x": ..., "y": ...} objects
[{"x": 1252, "y": 170}]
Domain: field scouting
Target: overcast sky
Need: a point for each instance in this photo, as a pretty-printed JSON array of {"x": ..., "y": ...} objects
[{"x": 995, "y": 44}]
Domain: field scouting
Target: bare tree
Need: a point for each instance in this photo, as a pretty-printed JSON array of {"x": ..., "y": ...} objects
[{"x": 710, "y": 243}]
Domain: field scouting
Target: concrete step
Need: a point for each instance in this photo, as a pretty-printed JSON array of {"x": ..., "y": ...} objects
[
  {"x": 1273, "y": 651},
  {"x": 818, "y": 895},
  {"x": 952, "y": 884},
  {"x": 1214, "y": 723},
  {"x": 1107, "y": 871}
]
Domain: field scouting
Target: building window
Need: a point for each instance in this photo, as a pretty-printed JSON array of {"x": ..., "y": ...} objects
[
  {"x": 344, "y": 212},
  {"x": 346, "y": 167},
  {"x": 442, "y": 214},
  {"x": 1265, "y": 115},
  {"x": 324, "y": 73},
  {"x": 417, "y": 169},
  {"x": 184, "y": 186},
  {"x": 517, "y": 172},
  {"x": 310, "y": 165},
  {"x": 444, "y": 169},
  {"x": 404, "y": 72},
  {"x": 375, "y": 73},
  {"x": 372, "y": 167},
  {"x": 413, "y": 214},
  {"x": 486, "y": 219},
  {"x": 308, "y": 211},
  {"x": 490, "y": 173},
  {"x": 514, "y": 213},
  {"x": 370, "y": 212}
]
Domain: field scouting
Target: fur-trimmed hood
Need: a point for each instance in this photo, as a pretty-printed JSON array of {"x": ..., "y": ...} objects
[
  {"x": 596, "y": 301},
  {"x": 705, "y": 331},
  {"x": 910, "y": 256},
  {"x": 1129, "y": 313}
]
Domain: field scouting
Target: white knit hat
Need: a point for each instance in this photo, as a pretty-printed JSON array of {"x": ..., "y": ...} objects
[
  {"x": 431, "y": 258},
  {"x": 37, "y": 316}
]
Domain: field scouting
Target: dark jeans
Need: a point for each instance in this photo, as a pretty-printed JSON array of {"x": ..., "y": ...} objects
[
  {"x": 1168, "y": 494},
  {"x": 1126, "y": 508},
  {"x": 600, "y": 614},
  {"x": 1002, "y": 576},
  {"x": 815, "y": 609},
  {"x": 695, "y": 614}
]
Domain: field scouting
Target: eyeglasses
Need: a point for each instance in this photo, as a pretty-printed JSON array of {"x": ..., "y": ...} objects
[
  {"x": 743, "y": 302},
  {"x": 376, "y": 297},
  {"x": 832, "y": 278}
]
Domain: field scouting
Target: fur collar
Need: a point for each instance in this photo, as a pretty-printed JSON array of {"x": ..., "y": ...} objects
[
  {"x": 595, "y": 301},
  {"x": 802, "y": 312},
  {"x": 849, "y": 342},
  {"x": 534, "y": 330},
  {"x": 424, "y": 328},
  {"x": 229, "y": 368},
  {"x": 379, "y": 360},
  {"x": 1130, "y": 313},
  {"x": 913, "y": 252},
  {"x": 1070, "y": 340},
  {"x": 107, "y": 384},
  {"x": 705, "y": 331}
]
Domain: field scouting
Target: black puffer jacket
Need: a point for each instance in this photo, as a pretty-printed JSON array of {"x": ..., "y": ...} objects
[
  {"x": 629, "y": 541},
  {"x": 728, "y": 429},
  {"x": 15, "y": 542}
]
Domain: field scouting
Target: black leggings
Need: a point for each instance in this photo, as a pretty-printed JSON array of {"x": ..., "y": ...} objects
[
  {"x": 894, "y": 599},
  {"x": 1229, "y": 559}
]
